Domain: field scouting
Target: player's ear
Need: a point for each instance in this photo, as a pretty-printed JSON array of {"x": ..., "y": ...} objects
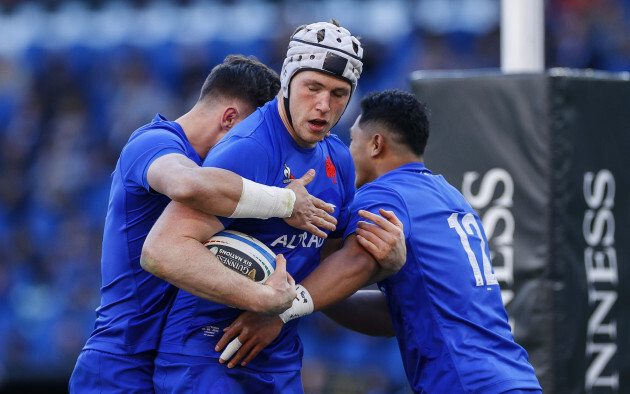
[
  {"x": 378, "y": 144},
  {"x": 229, "y": 117}
]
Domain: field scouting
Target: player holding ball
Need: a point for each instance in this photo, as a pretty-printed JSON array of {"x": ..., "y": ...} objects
[
  {"x": 160, "y": 163},
  {"x": 287, "y": 136}
]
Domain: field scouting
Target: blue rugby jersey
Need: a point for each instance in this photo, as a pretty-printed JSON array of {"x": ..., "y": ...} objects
[
  {"x": 261, "y": 149},
  {"x": 134, "y": 303},
  {"x": 445, "y": 303}
]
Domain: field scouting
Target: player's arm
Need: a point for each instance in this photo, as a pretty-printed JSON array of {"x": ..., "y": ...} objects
[
  {"x": 371, "y": 254},
  {"x": 365, "y": 312},
  {"x": 221, "y": 192},
  {"x": 174, "y": 251},
  {"x": 384, "y": 239},
  {"x": 337, "y": 277}
]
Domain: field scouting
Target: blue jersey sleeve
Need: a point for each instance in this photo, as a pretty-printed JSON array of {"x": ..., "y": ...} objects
[
  {"x": 372, "y": 197},
  {"x": 141, "y": 150}
]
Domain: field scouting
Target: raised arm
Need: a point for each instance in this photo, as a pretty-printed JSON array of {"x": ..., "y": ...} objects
[
  {"x": 174, "y": 252},
  {"x": 220, "y": 192}
]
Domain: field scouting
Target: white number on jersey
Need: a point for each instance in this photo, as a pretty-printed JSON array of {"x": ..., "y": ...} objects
[{"x": 472, "y": 228}]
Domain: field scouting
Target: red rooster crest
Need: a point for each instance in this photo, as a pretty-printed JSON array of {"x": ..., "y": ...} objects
[{"x": 331, "y": 171}]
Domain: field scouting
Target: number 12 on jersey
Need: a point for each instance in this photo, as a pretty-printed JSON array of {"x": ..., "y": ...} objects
[{"x": 469, "y": 226}]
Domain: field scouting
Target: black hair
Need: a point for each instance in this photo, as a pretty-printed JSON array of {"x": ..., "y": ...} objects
[
  {"x": 243, "y": 78},
  {"x": 401, "y": 113}
]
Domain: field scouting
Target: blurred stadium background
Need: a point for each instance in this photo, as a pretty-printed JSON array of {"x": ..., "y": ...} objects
[{"x": 77, "y": 77}]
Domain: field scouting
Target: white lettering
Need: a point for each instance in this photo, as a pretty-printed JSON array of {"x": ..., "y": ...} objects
[
  {"x": 604, "y": 181},
  {"x": 301, "y": 239},
  {"x": 605, "y": 301},
  {"x": 490, "y": 181},
  {"x": 494, "y": 216},
  {"x": 293, "y": 245},
  {"x": 602, "y": 276},
  {"x": 603, "y": 355},
  {"x": 282, "y": 240},
  {"x": 596, "y": 268},
  {"x": 504, "y": 272},
  {"x": 604, "y": 217},
  {"x": 315, "y": 240},
  {"x": 497, "y": 217}
]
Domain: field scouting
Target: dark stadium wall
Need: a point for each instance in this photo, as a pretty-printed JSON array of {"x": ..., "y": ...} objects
[{"x": 541, "y": 159}]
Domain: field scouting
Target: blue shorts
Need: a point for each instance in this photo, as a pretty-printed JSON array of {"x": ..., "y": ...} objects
[
  {"x": 100, "y": 372},
  {"x": 189, "y": 374}
]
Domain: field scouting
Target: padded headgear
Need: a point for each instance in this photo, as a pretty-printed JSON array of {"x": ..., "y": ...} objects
[{"x": 326, "y": 48}]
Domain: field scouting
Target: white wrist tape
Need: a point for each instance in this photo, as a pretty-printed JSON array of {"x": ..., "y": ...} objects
[
  {"x": 263, "y": 202},
  {"x": 302, "y": 305}
]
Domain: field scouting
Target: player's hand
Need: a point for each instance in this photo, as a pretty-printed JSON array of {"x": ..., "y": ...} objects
[
  {"x": 385, "y": 240},
  {"x": 310, "y": 213},
  {"x": 249, "y": 334},
  {"x": 280, "y": 287}
]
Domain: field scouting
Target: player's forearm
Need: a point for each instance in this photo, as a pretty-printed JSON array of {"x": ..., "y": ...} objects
[
  {"x": 216, "y": 191},
  {"x": 379, "y": 275},
  {"x": 365, "y": 312},
  {"x": 191, "y": 267},
  {"x": 210, "y": 190},
  {"x": 338, "y": 277},
  {"x": 223, "y": 193}
]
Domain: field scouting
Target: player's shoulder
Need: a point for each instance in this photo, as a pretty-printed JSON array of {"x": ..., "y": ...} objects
[
  {"x": 384, "y": 188},
  {"x": 379, "y": 194},
  {"x": 337, "y": 148},
  {"x": 249, "y": 134},
  {"x": 335, "y": 142},
  {"x": 157, "y": 136},
  {"x": 151, "y": 138},
  {"x": 158, "y": 129},
  {"x": 251, "y": 125},
  {"x": 379, "y": 187}
]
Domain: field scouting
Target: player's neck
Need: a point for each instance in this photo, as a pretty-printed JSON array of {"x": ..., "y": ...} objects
[
  {"x": 283, "y": 114},
  {"x": 201, "y": 129},
  {"x": 394, "y": 161}
]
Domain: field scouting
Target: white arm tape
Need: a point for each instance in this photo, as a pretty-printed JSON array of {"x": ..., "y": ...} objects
[
  {"x": 302, "y": 305},
  {"x": 263, "y": 202}
]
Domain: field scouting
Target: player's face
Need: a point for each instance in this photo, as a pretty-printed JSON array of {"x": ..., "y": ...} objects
[
  {"x": 361, "y": 148},
  {"x": 316, "y": 101}
]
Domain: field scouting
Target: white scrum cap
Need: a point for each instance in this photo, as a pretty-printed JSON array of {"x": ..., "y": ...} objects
[{"x": 326, "y": 48}]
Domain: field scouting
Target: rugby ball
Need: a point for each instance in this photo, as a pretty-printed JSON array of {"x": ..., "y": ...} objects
[{"x": 243, "y": 253}]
